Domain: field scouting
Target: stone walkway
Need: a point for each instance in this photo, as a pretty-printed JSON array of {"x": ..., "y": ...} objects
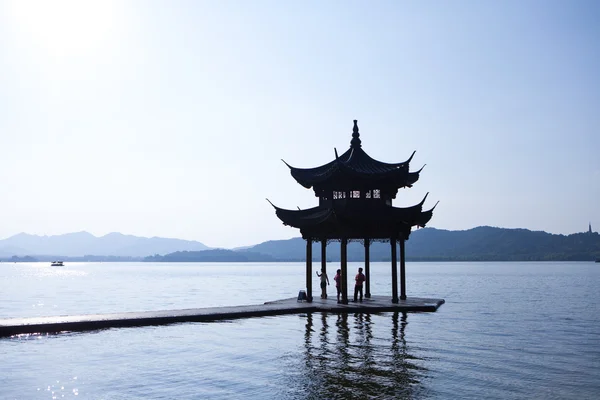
[{"x": 375, "y": 304}]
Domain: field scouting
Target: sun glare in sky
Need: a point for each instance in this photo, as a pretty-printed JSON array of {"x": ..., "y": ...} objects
[
  {"x": 169, "y": 118},
  {"x": 64, "y": 27}
]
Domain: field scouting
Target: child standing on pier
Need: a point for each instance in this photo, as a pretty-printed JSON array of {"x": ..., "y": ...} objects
[
  {"x": 324, "y": 282},
  {"x": 338, "y": 283}
]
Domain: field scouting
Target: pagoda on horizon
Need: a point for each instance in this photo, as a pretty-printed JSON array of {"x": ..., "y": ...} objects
[{"x": 355, "y": 195}]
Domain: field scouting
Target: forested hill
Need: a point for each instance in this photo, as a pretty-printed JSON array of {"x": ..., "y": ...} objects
[
  {"x": 478, "y": 244},
  {"x": 498, "y": 244}
]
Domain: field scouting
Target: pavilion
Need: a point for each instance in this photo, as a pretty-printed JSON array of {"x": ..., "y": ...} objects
[{"x": 355, "y": 195}]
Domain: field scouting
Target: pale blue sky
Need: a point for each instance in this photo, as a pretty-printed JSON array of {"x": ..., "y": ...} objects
[{"x": 169, "y": 118}]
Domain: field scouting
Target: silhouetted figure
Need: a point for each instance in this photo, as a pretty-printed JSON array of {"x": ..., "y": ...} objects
[
  {"x": 324, "y": 282},
  {"x": 358, "y": 286},
  {"x": 338, "y": 283}
]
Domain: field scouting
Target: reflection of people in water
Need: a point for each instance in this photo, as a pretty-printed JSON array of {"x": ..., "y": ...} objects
[
  {"x": 343, "y": 359},
  {"x": 324, "y": 282},
  {"x": 358, "y": 287}
]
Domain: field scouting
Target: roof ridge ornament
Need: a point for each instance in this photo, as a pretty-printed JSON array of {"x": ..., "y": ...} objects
[
  {"x": 355, "y": 142},
  {"x": 274, "y": 206}
]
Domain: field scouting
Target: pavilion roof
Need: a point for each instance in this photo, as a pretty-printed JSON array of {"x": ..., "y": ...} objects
[
  {"x": 356, "y": 165},
  {"x": 344, "y": 220}
]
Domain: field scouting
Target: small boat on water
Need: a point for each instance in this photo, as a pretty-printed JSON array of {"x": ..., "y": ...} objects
[{"x": 57, "y": 264}]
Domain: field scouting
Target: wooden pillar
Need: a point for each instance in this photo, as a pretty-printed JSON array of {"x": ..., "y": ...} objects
[
  {"x": 367, "y": 268},
  {"x": 344, "y": 268},
  {"x": 402, "y": 271},
  {"x": 323, "y": 261},
  {"x": 394, "y": 271},
  {"x": 309, "y": 270},
  {"x": 323, "y": 254}
]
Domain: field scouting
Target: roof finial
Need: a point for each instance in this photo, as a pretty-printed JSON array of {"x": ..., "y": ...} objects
[{"x": 355, "y": 142}]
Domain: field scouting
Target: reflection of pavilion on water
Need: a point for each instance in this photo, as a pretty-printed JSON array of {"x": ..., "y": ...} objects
[
  {"x": 355, "y": 195},
  {"x": 356, "y": 356}
]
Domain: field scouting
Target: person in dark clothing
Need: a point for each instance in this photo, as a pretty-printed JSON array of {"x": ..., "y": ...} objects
[{"x": 358, "y": 286}]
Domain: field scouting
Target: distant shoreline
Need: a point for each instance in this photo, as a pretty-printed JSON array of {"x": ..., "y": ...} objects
[
  {"x": 484, "y": 243},
  {"x": 67, "y": 260}
]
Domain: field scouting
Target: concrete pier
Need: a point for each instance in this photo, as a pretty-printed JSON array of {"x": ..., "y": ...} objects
[{"x": 375, "y": 304}]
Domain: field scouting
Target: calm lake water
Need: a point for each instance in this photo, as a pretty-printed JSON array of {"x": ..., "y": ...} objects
[{"x": 507, "y": 331}]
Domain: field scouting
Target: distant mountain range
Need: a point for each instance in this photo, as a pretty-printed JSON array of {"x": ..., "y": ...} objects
[
  {"x": 478, "y": 244},
  {"x": 80, "y": 244}
]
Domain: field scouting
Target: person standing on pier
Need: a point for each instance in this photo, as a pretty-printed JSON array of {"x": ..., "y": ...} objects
[
  {"x": 338, "y": 283},
  {"x": 324, "y": 282},
  {"x": 358, "y": 286}
]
